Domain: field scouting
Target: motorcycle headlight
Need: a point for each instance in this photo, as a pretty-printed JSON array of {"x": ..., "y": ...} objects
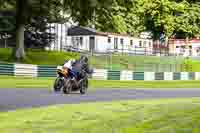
[
  {"x": 65, "y": 71},
  {"x": 59, "y": 67}
]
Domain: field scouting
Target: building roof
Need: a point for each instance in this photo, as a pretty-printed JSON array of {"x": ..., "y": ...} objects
[
  {"x": 79, "y": 30},
  {"x": 117, "y": 34},
  {"x": 184, "y": 41}
]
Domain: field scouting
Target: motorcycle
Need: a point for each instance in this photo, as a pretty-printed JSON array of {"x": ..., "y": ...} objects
[
  {"x": 76, "y": 84},
  {"x": 67, "y": 82}
]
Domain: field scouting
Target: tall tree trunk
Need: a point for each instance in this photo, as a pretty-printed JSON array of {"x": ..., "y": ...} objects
[
  {"x": 21, "y": 19},
  {"x": 20, "y": 53}
]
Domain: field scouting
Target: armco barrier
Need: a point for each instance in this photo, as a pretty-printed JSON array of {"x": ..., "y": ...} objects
[
  {"x": 26, "y": 70},
  {"x": 138, "y": 75},
  {"x": 168, "y": 76},
  {"x": 47, "y": 71},
  {"x": 7, "y": 69},
  {"x": 159, "y": 76},
  {"x": 191, "y": 76},
  {"x": 99, "y": 74},
  {"x": 197, "y": 75},
  {"x": 114, "y": 75},
  {"x": 149, "y": 76},
  {"x": 126, "y": 75},
  {"x": 177, "y": 76},
  {"x": 184, "y": 76}
]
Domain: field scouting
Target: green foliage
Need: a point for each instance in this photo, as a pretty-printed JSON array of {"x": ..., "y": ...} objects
[
  {"x": 189, "y": 21},
  {"x": 7, "y": 24},
  {"x": 171, "y": 17},
  {"x": 37, "y": 34},
  {"x": 38, "y": 15},
  {"x": 84, "y": 11},
  {"x": 119, "y": 24},
  {"x": 7, "y": 20}
]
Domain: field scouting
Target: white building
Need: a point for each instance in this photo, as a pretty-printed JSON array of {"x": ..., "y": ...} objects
[
  {"x": 91, "y": 40},
  {"x": 141, "y": 46},
  {"x": 181, "y": 47}
]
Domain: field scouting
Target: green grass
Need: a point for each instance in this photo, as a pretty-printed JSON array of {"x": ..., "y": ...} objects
[
  {"x": 40, "y": 57},
  {"x": 5, "y": 54},
  {"x": 12, "y": 82},
  {"x": 118, "y": 62},
  {"x": 152, "y": 116},
  {"x": 194, "y": 66}
]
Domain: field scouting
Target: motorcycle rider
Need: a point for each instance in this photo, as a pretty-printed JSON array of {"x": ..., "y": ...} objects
[
  {"x": 78, "y": 67},
  {"x": 69, "y": 65},
  {"x": 84, "y": 64}
]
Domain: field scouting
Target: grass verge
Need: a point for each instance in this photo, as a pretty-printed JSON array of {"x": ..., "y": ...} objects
[
  {"x": 13, "y": 82},
  {"x": 152, "y": 116}
]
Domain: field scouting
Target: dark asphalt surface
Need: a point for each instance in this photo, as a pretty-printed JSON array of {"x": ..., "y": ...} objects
[{"x": 12, "y": 99}]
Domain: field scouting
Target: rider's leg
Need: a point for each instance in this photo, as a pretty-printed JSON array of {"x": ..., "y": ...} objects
[{"x": 74, "y": 73}]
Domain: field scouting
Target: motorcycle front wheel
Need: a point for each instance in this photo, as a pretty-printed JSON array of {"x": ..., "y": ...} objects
[{"x": 58, "y": 84}]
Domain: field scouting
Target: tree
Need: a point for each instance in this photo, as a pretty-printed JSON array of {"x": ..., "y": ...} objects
[
  {"x": 158, "y": 16},
  {"x": 84, "y": 11},
  {"x": 7, "y": 19},
  {"x": 118, "y": 17},
  {"x": 188, "y": 22},
  {"x": 121, "y": 17},
  {"x": 161, "y": 17},
  {"x": 26, "y": 10},
  {"x": 37, "y": 33},
  {"x": 22, "y": 7}
]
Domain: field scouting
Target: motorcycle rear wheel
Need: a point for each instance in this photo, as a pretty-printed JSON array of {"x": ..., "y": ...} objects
[
  {"x": 84, "y": 86},
  {"x": 67, "y": 87}
]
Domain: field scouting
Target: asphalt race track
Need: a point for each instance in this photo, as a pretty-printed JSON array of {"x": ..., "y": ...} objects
[{"x": 12, "y": 99}]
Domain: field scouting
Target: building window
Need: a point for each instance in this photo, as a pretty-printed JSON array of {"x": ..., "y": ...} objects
[
  {"x": 115, "y": 43},
  {"x": 140, "y": 44},
  {"x": 131, "y": 42},
  {"x": 109, "y": 39},
  {"x": 77, "y": 41},
  {"x": 121, "y": 41},
  {"x": 149, "y": 44},
  {"x": 144, "y": 43},
  {"x": 81, "y": 41},
  {"x": 73, "y": 41}
]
